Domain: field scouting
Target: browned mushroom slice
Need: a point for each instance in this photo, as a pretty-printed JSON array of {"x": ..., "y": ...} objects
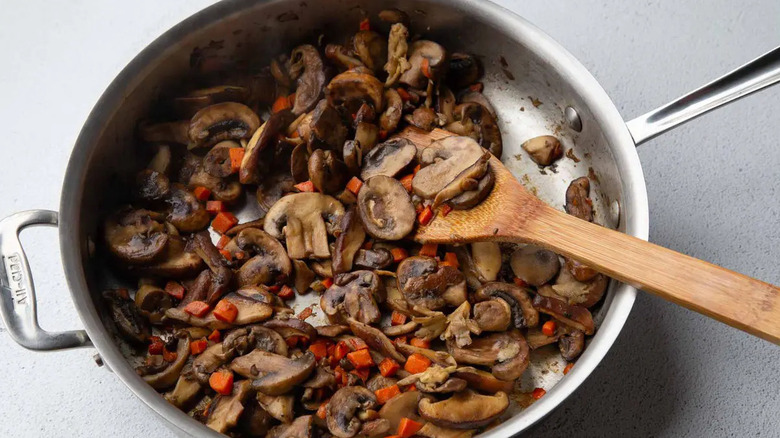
[
  {"x": 259, "y": 151},
  {"x": 523, "y": 312},
  {"x": 376, "y": 428},
  {"x": 443, "y": 161},
  {"x": 544, "y": 150},
  {"x": 345, "y": 408},
  {"x": 209, "y": 361},
  {"x": 401, "y": 406},
  {"x": 323, "y": 377},
  {"x": 445, "y": 105},
  {"x": 430, "y": 430},
  {"x": 175, "y": 262},
  {"x": 482, "y": 380},
  {"x": 424, "y": 51},
  {"x": 168, "y": 377},
  {"x": 250, "y": 311},
  {"x": 349, "y": 241},
  {"x": 306, "y": 65},
  {"x": 292, "y": 327},
  {"x": 217, "y": 160},
  {"x": 378, "y": 258},
  {"x": 353, "y": 296},
  {"x": 477, "y": 97},
  {"x": 127, "y": 317},
  {"x": 255, "y": 421},
  {"x": 386, "y": 210},
  {"x": 464, "y": 410},
  {"x": 272, "y": 189},
  {"x": 227, "y": 409},
  {"x": 269, "y": 264},
  {"x": 578, "y": 202},
  {"x": 278, "y": 406},
  {"x": 299, "y": 163},
  {"x": 471, "y": 198},
  {"x": 326, "y": 172},
  {"x": 332, "y": 330},
  {"x": 222, "y": 121},
  {"x": 581, "y": 272},
  {"x": 388, "y": 158},
  {"x": 341, "y": 56},
  {"x": 185, "y": 212},
  {"x": 464, "y": 182},
  {"x": 426, "y": 284},
  {"x": 352, "y": 89},
  {"x": 388, "y": 121},
  {"x": 221, "y": 189},
  {"x": 397, "y": 48},
  {"x": 571, "y": 345},
  {"x": 493, "y": 315},
  {"x": 221, "y": 275},
  {"x": 475, "y": 121},
  {"x": 353, "y": 156},
  {"x": 192, "y": 102},
  {"x": 273, "y": 374},
  {"x": 186, "y": 391},
  {"x": 534, "y": 265},
  {"x": 371, "y": 47},
  {"x": 537, "y": 339},
  {"x": 441, "y": 358},
  {"x": 400, "y": 330},
  {"x": 487, "y": 260},
  {"x": 376, "y": 340},
  {"x": 327, "y": 130},
  {"x": 575, "y": 316},
  {"x": 300, "y": 428},
  {"x": 506, "y": 353},
  {"x": 424, "y": 118},
  {"x": 166, "y": 132},
  {"x": 152, "y": 302},
  {"x": 151, "y": 185},
  {"x": 136, "y": 236},
  {"x": 301, "y": 220},
  {"x": 464, "y": 70},
  {"x": 579, "y": 293}
]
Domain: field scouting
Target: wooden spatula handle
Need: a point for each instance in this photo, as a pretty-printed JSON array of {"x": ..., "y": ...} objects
[{"x": 735, "y": 299}]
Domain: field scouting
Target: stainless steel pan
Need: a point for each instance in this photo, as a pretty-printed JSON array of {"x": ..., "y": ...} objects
[{"x": 535, "y": 85}]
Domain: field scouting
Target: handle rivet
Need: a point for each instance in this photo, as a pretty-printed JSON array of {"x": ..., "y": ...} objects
[
  {"x": 573, "y": 119},
  {"x": 98, "y": 360}
]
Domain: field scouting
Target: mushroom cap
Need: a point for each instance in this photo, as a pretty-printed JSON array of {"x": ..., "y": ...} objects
[
  {"x": 344, "y": 407},
  {"x": 464, "y": 410},
  {"x": 544, "y": 150},
  {"x": 175, "y": 262},
  {"x": 506, "y": 352},
  {"x": 394, "y": 106},
  {"x": 127, "y": 318},
  {"x": 135, "y": 236},
  {"x": 419, "y": 50},
  {"x": 371, "y": 48},
  {"x": 151, "y": 185},
  {"x": 353, "y": 296},
  {"x": 168, "y": 377},
  {"x": 222, "y": 121},
  {"x": 579, "y": 271},
  {"x": 300, "y": 218},
  {"x": 463, "y": 70},
  {"x": 388, "y": 158},
  {"x": 523, "y": 312},
  {"x": 326, "y": 128},
  {"x": 269, "y": 265},
  {"x": 571, "y": 345},
  {"x": 584, "y": 294},
  {"x": 386, "y": 209},
  {"x": 493, "y": 315},
  {"x": 444, "y": 160},
  {"x": 376, "y": 340},
  {"x": 578, "y": 202},
  {"x": 477, "y": 97},
  {"x": 273, "y": 374},
  {"x": 482, "y": 380},
  {"x": 217, "y": 160},
  {"x": 426, "y": 284},
  {"x": 307, "y": 64},
  {"x": 185, "y": 212},
  {"x": 348, "y": 242},
  {"x": 152, "y": 302},
  {"x": 477, "y": 122},
  {"x": 401, "y": 406},
  {"x": 471, "y": 198},
  {"x": 300, "y": 428},
  {"x": 352, "y": 88},
  {"x": 574, "y": 316},
  {"x": 326, "y": 172},
  {"x": 534, "y": 265},
  {"x": 278, "y": 406},
  {"x": 258, "y": 152}
]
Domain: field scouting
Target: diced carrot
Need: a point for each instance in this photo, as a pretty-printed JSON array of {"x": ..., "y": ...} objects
[
  {"x": 305, "y": 313},
  {"x": 362, "y": 373},
  {"x": 222, "y": 382},
  {"x": 368, "y": 245},
  {"x": 201, "y": 193},
  {"x": 425, "y": 216},
  {"x": 223, "y": 241},
  {"x": 416, "y": 169},
  {"x": 322, "y": 411},
  {"x": 549, "y": 327},
  {"x": 385, "y": 394},
  {"x": 169, "y": 356},
  {"x": 388, "y": 367},
  {"x": 411, "y": 387},
  {"x": 445, "y": 210},
  {"x": 393, "y": 436},
  {"x": 408, "y": 427},
  {"x": 286, "y": 293},
  {"x": 215, "y": 336},
  {"x": 354, "y": 185},
  {"x": 239, "y": 255},
  {"x": 327, "y": 282},
  {"x": 341, "y": 350},
  {"x": 175, "y": 289},
  {"x": 417, "y": 363},
  {"x": 405, "y": 96},
  {"x": 226, "y": 254},
  {"x": 281, "y": 103},
  {"x": 425, "y": 68},
  {"x": 291, "y": 99},
  {"x": 236, "y": 157},
  {"x": 199, "y": 346},
  {"x": 518, "y": 281},
  {"x": 419, "y": 342},
  {"x": 197, "y": 308},
  {"x": 157, "y": 345},
  {"x": 568, "y": 368},
  {"x": 429, "y": 249},
  {"x": 357, "y": 344},
  {"x": 224, "y": 221},
  {"x": 320, "y": 350},
  {"x": 123, "y": 293},
  {"x": 293, "y": 341},
  {"x": 406, "y": 181},
  {"x": 538, "y": 393},
  {"x": 215, "y": 206},
  {"x": 382, "y": 134},
  {"x": 450, "y": 259},
  {"x": 365, "y": 24},
  {"x": 295, "y": 134},
  {"x": 398, "y": 318},
  {"x": 306, "y": 186},
  {"x": 226, "y": 311},
  {"x": 399, "y": 254},
  {"x": 400, "y": 340},
  {"x": 340, "y": 375},
  {"x": 477, "y": 86}
]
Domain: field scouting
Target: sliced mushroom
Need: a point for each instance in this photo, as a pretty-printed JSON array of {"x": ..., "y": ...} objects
[
  {"x": 487, "y": 259},
  {"x": 217, "y": 160},
  {"x": 397, "y": 48},
  {"x": 464, "y": 182},
  {"x": 477, "y": 97},
  {"x": 460, "y": 326},
  {"x": 386, "y": 210},
  {"x": 464, "y": 70},
  {"x": 166, "y": 132},
  {"x": 376, "y": 340},
  {"x": 222, "y": 121},
  {"x": 544, "y": 150},
  {"x": 475, "y": 121},
  {"x": 186, "y": 391},
  {"x": 250, "y": 310},
  {"x": 195, "y": 100},
  {"x": 534, "y": 265},
  {"x": 579, "y": 271},
  {"x": 424, "y": 118},
  {"x": 272, "y": 189},
  {"x": 388, "y": 121},
  {"x": 221, "y": 275},
  {"x": 292, "y": 327},
  {"x": 326, "y": 172},
  {"x": 227, "y": 409},
  {"x": 152, "y": 302},
  {"x": 388, "y": 158},
  {"x": 442, "y": 162},
  {"x": 482, "y": 380},
  {"x": 506, "y": 353},
  {"x": 430, "y": 430},
  {"x": 575, "y": 316},
  {"x": 304, "y": 276},
  {"x": 441, "y": 358},
  {"x": 464, "y": 410},
  {"x": 273, "y": 374},
  {"x": 168, "y": 377},
  {"x": 433, "y": 54},
  {"x": 571, "y": 345},
  {"x": 351, "y": 89},
  {"x": 341, "y": 56},
  {"x": 151, "y": 185},
  {"x": 349, "y": 241},
  {"x": 580, "y": 293},
  {"x": 185, "y": 212},
  {"x": 353, "y": 156},
  {"x": 401, "y": 406},
  {"x": 299, "y": 163},
  {"x": 471, "y": 198},
  {"x": 578, "y": 202},
  {"x": 177, "y": 261},
  {"x": 136, "y": 236},
  {"x": 258, "y": 151},
  {"x": 523, "y": 312},
  {"x": 326, "y": 129},
  {"x": 378, "y": 258},
  {"x": 493, "y": 315},
  {"x": 300, "y": 219},
  {"x": 445, "y": 104},
  {"x": 278, "y": 406},
  {"x": 332, "y": 330},
  {"x": 127, "y": 317},
  {"x": 209, "y": 361},
  {"x": 255, "y": 421},
  {"x": 306, "y": 65},
  {"x": 426, "y": 284},
  {"x": 270, "y": 263},
  {"x": 221, "y": 189},
  {"x": 300, "y": 428},
  {"x": 353, "y": 297},
  {"x": 537, "y": 339},
  {"x": 344, "y": 410},
  {"x": 371, "y": 47}
]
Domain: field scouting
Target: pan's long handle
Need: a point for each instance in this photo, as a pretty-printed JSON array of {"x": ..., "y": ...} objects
[{"x": 749, "y": 78}]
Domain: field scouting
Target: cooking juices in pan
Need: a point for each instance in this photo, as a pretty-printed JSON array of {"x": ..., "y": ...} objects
[{"x": 412, "y": 339}]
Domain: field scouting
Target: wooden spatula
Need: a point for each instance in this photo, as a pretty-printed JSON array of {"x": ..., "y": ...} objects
[{"x": 511, "y": 214}]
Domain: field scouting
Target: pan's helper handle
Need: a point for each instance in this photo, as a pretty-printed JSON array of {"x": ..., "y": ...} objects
[
  {"x": 730, "y": 297},
  {"x": 17, "y": 300},
  {"x": 751, "y": 77}
]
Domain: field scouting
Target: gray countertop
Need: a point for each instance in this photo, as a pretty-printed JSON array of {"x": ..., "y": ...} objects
[{"x": 713, "y": 187}]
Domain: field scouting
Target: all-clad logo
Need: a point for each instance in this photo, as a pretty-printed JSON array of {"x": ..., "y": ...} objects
[{"x": 16, "y": 274}]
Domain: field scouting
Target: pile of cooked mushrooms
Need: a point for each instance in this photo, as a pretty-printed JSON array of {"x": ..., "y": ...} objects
[{"x": 421, "y": 340}]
